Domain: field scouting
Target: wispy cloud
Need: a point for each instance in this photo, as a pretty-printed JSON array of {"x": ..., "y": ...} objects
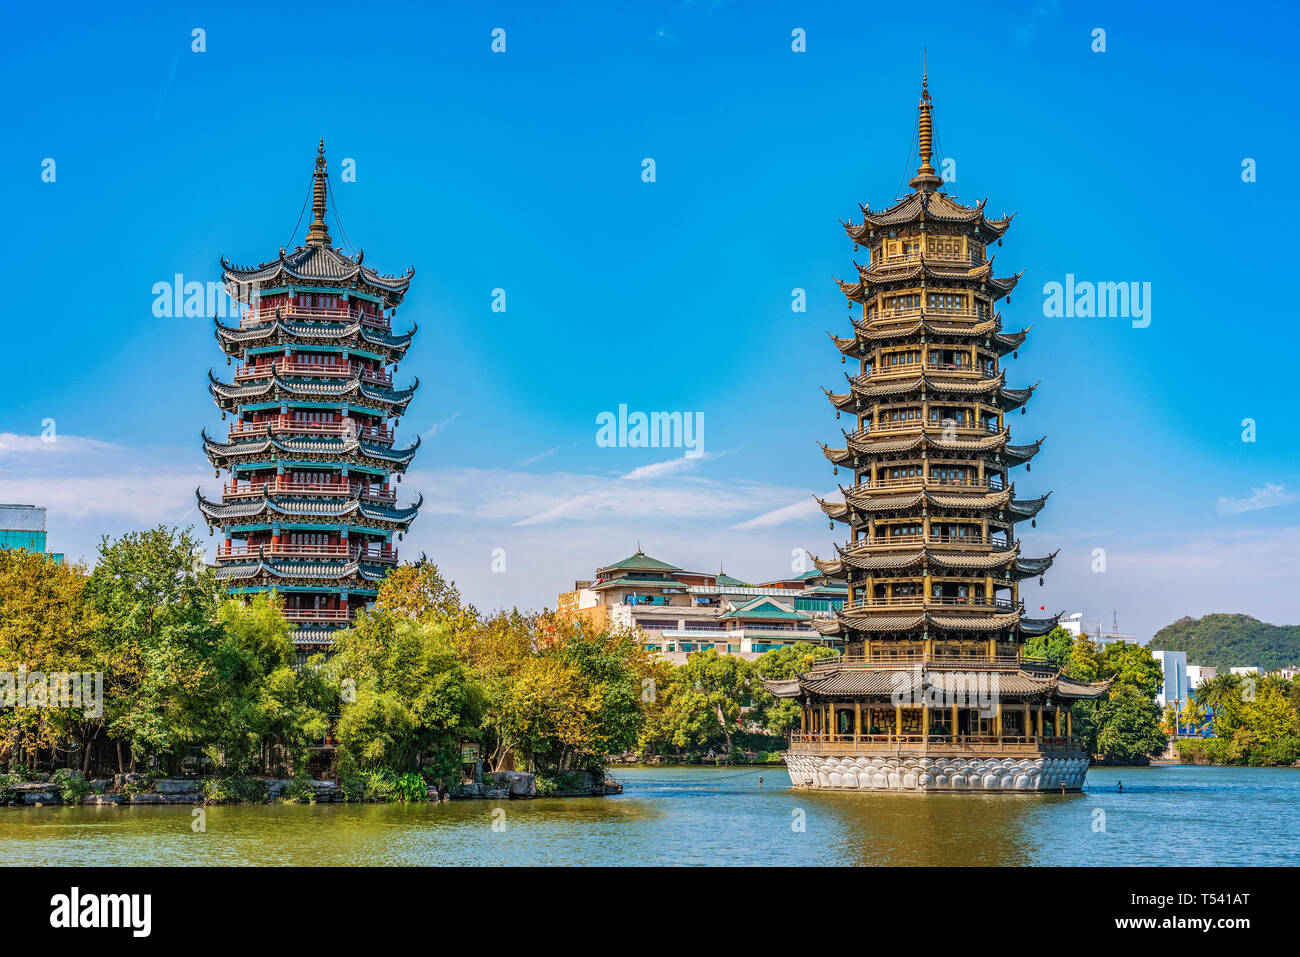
[
  {"x": 537, "y": 458},
  {"x": 11, "y": 443},
  {"x": 1270, "y": 496},
  {"x": 1038, "y": 15},
  {"x": 80, "y": 478},
  {"x": 798, "y": 511},
  {"x": 435, "y": 429},
  {"x": 670, "y": 467}
]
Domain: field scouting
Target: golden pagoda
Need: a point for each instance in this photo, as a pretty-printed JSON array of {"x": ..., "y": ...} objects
[{"x": 932, "y": 691}]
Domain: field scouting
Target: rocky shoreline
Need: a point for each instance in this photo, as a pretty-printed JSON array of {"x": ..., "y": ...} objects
[{"x": 141, "y": 789}]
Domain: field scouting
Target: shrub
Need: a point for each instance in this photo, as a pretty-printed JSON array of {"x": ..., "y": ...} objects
[
  {"x": 73, "y": 788},
  {"x": 299, "y": 791},
  {"x": 234, "y": 790},
  {"x": 410, "y": 787}
]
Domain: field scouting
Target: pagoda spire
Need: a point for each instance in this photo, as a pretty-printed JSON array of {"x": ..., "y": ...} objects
[
  {"x": 318, "y": 234},
  {"x": 925, "y": 178}
]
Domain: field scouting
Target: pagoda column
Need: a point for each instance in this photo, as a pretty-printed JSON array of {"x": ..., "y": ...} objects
[{"x": 857, "y": 718}]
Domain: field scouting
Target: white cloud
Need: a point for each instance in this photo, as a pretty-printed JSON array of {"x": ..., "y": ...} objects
[
  {"x": 798, "y": 511},
  {"x": 12, "y": 443},
  {"x": 1270, "y": 496},
  {"x": 537, "y": 458},
  {"x": 435, "y": 429}
]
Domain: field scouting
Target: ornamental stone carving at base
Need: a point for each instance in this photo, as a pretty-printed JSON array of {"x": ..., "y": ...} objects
[{"x": 905, "y": 773}]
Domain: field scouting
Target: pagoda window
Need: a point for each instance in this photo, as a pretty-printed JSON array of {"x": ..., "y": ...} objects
[
  {"x": 945, "y": 301},
  {"x": 943, "y": 246}
]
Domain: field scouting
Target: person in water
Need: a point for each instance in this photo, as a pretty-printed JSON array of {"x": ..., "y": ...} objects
[{"x": 1121, "y": 787}]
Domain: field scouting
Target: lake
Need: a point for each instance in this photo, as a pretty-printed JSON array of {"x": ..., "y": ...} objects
[{"x": 1165, "y": 815}]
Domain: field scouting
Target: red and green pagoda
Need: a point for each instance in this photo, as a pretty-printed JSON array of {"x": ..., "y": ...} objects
[{"x": 309, "y": 510}]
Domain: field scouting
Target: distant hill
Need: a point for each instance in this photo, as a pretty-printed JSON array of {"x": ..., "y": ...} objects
[{"x": 1231, "y": 641}]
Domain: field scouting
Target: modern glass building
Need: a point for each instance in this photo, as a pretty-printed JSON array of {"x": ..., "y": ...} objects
[{"x": 23, "y": 526}]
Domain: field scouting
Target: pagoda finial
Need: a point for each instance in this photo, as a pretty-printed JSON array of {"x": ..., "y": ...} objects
[
  {"x": 318, "y": 234},
  {"x": 925, "y": 177}
]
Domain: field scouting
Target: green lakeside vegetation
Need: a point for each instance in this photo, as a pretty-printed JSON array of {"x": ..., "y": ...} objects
[
  {"x": 195, "y": 683},
  {"x": 1256, "y": 721}
]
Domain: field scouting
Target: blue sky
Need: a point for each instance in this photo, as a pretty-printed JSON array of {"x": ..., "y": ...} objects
[{"x": 522, "y": 171}]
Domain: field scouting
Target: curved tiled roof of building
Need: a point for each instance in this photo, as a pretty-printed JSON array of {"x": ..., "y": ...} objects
[
  {"x": 340, "y": 448},
  {"x": 934, "y": 205},
  {"x": 275, "y": 386},
  {"x": 269, "y": 505},
  {"x": 233, "y": 340},
  {"x": 316, "y": 264}
]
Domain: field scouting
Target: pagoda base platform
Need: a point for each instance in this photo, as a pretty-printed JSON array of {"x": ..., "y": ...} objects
[{"x": 956, "y": 770}]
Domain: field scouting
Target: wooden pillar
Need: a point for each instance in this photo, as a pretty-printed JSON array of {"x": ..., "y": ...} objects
[
  {"x": 803, "y": 717},
  {"x": 1056, "y": 725},
  {"x": 898, "y": 720},
  {"x": 997, "y": 721},
  {"x": 925, "y": 722},
  {"x": 1069, "y": 724},
  {"x": 830, "y": 719},
  {"x": 953, "y": 732},
  {"x": 857, "y": 719},
  {"x": 1040, "y": 721},
  {"x": 1029, "y": 724}
]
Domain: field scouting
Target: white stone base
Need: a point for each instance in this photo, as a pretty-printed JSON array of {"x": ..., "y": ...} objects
[{"x": 894, "y": 772}]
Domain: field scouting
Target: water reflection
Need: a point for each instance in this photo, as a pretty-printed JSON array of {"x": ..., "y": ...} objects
[{"x": 689, "y": 816}]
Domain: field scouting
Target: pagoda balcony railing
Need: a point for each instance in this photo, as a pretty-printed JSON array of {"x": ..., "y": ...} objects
[
  {"x": 917, "y": 425},
  {"x": 918, "y": 481},
  {"x": 898, "y": 259},
  {"x": 911, "y": 659},
  {"x": 324, "y": 615},
  {"x": 286, "y": 367},
  {"x": 934, "y": 538},
  {"x": 905, "y": 425},
  {"x": 284, "y": 423},
  {"x": 939, "y": 742},
  {"x": 291, "y": 310},
  {"x": 911, "y": 368},
  {"x": 927, "y": 601},
  {"x": 369, "y": 553},
  {"x": 377, "y": 493},
  {"x": 915, "y": 312}
]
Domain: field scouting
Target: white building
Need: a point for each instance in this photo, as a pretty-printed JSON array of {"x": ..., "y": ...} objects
[
  {"x": 1076, "y": 626},
  {"x": 1248, "y": 670},
  {"x": 1197, "y": 675},
  {"x": 1175, "y": 687}
]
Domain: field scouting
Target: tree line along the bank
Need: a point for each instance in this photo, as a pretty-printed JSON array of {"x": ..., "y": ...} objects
[{"x": 194, "y": 682}]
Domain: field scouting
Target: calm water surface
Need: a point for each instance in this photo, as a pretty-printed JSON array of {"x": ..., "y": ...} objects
[{"x": 1167, "y": 815}]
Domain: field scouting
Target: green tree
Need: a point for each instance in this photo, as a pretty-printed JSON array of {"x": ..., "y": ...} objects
[
  {"x": 158, "y": 601},
  {"x": 778, "y": 716},
  {"x": 411, "y": 695},
  {"x": 1056, "y": 646},
  {"x": 1128, "y": 726},
  {"x": 269, "y": 712},
  {"x": 47, "y": 625}
]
